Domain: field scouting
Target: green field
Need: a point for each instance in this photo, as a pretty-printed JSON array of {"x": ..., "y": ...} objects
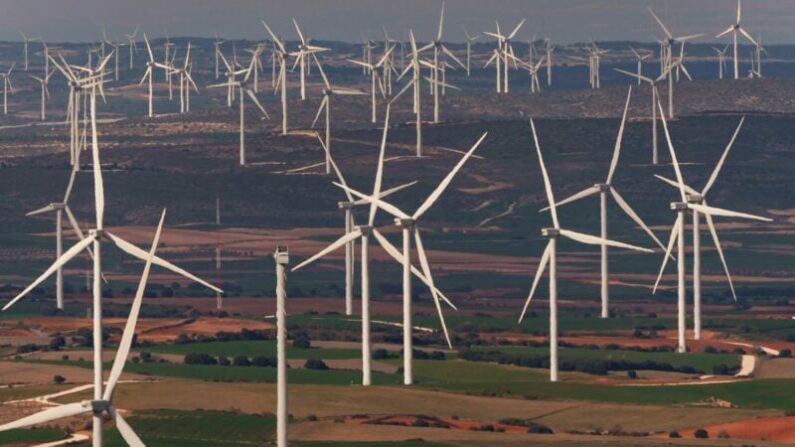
[
  {"x": 699, "y": 361},
  {"x": 243, "y": 373},
  {"x": 31, "y": 436},
  {"x": 252, "y": 349},
  {"x": 487, "y": 378}
]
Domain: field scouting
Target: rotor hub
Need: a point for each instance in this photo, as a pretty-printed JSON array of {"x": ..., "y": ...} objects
[{"x": 602, "y": 187}]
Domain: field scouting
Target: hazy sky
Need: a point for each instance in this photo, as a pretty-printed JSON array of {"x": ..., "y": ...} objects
[{"x": 563, "y": 20}]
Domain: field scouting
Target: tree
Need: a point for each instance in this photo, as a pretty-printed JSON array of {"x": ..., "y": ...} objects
[
  {"x": 316, "y": 364},
  {"x": 701, "y": 434},
  {"x": 241, "y": 360},
  {"x": 59, "y": 379},
  {"x": 57, "y": 343}
]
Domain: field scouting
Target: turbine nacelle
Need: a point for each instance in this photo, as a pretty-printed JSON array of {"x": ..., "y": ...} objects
[
  {"x": 679, "y": 206},
  {"x": 550, "y": 232},
  {"x": 345, "y": 205},
  {"x": 602, "y": 187},
  {"x": 695, "y": 198},
  {"x": 282, "y": 255},
  {"x": 405, "y": 222},
  {"x": 366, "y": 230}
]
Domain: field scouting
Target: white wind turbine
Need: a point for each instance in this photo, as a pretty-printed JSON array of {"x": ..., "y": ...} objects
[
  {"x": 697, "y": 203},
  {"x": 281, "y": 53},
  {"x": 721, "y": 60},
  {"x": 216, "y": 52},
  {"x": 6, "y": 87},
  {"x": 45, "y": 92},
  {"x": 60, "y": 208},
  {"x": 640, "y": 57},
  {"x": 549, "y": 48},
  {"x": 149, "y": 74},
  {"x": 602, "y": 189},
  {"x": 325, "y": 105},
  {"x": 737, "y": 29},
  {"x": 363, "y": 232},
  {"x": 347, "y": 207},
  {"x": 550, "y": 258},
  {"x": 667, "y": 44},
  {"x": 374, "y": 81},
  {"x": 655, "y": 93},
  {"x": 185, "y": 82},
  {"x": 133, "y": 47},
  {"x": 409, "y": 228},
  {"x": 95, "y": 238},
  {"x": 596, "y": 54},
  {"x": 470, "y": 39},
  {"x": 26, "y": 46},
  {"x": 244, "y": 90},
  {"x": 102, "y": 403},
  {"x": 504, "y": 48},
  {"x": 304, "y": 51},
  {"x": 415, "y": 66},
  {"x": 438, "y": 49}
]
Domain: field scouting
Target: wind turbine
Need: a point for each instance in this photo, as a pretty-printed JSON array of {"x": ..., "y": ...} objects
[
  {"x": 374, "y": 80},
  {"x": 697, "y": 203},
  {"x": 45, "y": 92},
  {"x": 347, "y": 206},
  {"x": 304, "y": 50},
  {"x": 415, "y": 66},
  {"x": 504, "y": 49},
  {"x": 60, "y": 208},
  {"x": 655, "y": 93},
  {"x": 26, "y": 42},
  {"x": 409, "y": 229},
  {"x": 282, "y": 54},
  {"x": 667, "y": 45},
  {"x": 363, "y": 233},
  {"x": 737, "y": 29},
  {"x": 216, "y": 51},
  {"x": 185, "y": 83},
  {"x": 325, "y": 105},
  {"x": 470, "y": 39},
  {"x": 102, "y": 403},
  {"x": 640, "y": 58},
  {"x": 149, "y": 74},
  {"x": 244, "y": 90},
  {"x": 550, "y": 258},
  {"x": 721, "y": 60},
  {"x": 602, "y": 189},
  {"x": 758, "y": 50},
  {"x": 6, "y": 87},
  {"x": 596, "y": 65},
  {"x": 438, "y": 49},
  {"x": 95, "y": 238},
  {"x": 549, "y": 48},
  {"x": 133, "y": 47}
]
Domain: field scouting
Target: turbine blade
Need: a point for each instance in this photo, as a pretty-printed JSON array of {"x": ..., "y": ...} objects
[
  {"x": 575, "y": 197},
  {"x": 722, "y": 160},
  {"x": 42, "y": 210},
  {"x": 426, "y": 270},
  {"x": 542, "y": 265},
  {"x": 379, "y": 174},
  {"x": 447, "y": 180},
  {"x": 49, "y": 415},
  {"x": 389, "y": 208},
  {"x": 675, "y": 162},
  {"x": 713, "y": 211},
  {"x": 634, "y": 216},
  {"x": 398, "y": 256},
  {"x": 66, "y": 257},
  {"x": 132, "y": 320},
  {"x": 134, "y": 251},
  {"x": 716, "y": 240},
  {"x": 668, "y": 251},
  {"x": 125, "y": 430},
  {"x": 547, "y": 184},
  {"x": 353, "y": 235},
  {"x": 593, "y": 240},
  {"x": 619, "y": 139},
  {"x": 673, "y": 183}
]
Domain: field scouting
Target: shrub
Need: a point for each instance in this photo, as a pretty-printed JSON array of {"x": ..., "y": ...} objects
[
  {"x": 223, "y": 361},
  {"x": 58, "y": 379},
  {"x": 785, "y": 353},
  {"x": 315, "y": 364},
  {"x": 674, "y": 434},
  {"x": 632, "y": 374},
  {"x": 264, "y": 362},
  {"x": 194, "y": 358},
  {"x": 57, "y": 343},
  {"x": 241, "y": 360},
  {"x": 701, "y": 434}
]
